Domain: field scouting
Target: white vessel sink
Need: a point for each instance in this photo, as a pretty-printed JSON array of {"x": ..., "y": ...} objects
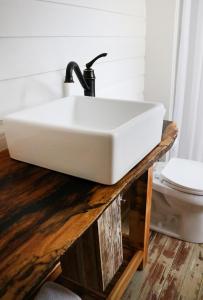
[{"x": 92, "y": 138}]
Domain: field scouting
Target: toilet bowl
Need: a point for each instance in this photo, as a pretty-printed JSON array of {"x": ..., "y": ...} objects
[{"x": 177, "y": 199}]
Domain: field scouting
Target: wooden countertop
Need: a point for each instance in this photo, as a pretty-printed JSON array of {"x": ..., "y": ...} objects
[{"x": 43, "y": 212}]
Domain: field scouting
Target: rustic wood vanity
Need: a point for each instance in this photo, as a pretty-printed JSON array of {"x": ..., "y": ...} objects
[{"x": 87, "y": 236}]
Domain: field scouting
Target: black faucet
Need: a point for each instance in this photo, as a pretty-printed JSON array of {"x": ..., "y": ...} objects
[{"x": 87, "y": 79}]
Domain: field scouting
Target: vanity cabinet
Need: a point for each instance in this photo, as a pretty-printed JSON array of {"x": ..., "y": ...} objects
[
  {"x": 103, "y": 260},
  {"x": 77, "y": 232}
]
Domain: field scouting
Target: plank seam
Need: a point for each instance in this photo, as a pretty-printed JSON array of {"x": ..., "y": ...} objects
[
  {"x": 71, "y": 36},
  {"x": 91, "y": 8},
  {"x": 63, "y": 69}
]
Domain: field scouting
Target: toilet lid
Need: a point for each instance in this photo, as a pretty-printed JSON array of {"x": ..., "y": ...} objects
[{"x": 184, "y": 174}]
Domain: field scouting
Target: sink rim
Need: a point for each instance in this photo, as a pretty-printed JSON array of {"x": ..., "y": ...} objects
[{"x": 71, "y": 128}]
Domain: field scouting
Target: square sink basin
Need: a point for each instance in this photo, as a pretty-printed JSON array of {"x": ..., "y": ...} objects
[{"x": 92, "y": 138}]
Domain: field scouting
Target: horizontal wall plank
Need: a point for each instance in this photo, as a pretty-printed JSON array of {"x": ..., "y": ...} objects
[
  {"x": 25, "y": 92},
  {"x": 28, "y": 91},
  {"x": 126, "y": 88},
  {"x": 22, "y": 57},
  {"x": 36, "y": 18},
  {"x": 118, "y": 71},
  {"x": 131, "y": 7},
  {"x": 131, "y": 89}
]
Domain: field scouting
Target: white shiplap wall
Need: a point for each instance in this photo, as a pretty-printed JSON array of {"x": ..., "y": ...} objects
[
  {"x": 161, "y": 51},
  {"x": 39, "y": 37}
]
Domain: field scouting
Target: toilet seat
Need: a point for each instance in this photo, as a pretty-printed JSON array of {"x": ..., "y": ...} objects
[{"x": 184, "y": 175}]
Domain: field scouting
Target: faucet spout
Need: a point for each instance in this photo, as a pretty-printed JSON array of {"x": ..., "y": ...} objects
[
  {"x": 87, "y": 79},
  {"x": 69, "y": 75}
]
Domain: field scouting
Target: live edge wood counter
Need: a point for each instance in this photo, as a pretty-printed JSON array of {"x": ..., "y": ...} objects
[{"x": 43, "y": 212}]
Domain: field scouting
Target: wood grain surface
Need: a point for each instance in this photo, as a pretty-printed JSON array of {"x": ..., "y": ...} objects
[
  {"x": 110, "y": 241},
  {"x": 140, "y": 213},
  {"x": 43, "y": 212}
]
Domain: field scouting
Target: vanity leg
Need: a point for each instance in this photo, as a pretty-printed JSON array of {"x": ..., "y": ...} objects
[{"x": 139, "y": 195}]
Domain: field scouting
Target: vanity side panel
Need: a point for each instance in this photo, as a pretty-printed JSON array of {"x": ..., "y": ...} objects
[
  {"x": 94, "y": 259},
  {"x": 110, "y": 241}
]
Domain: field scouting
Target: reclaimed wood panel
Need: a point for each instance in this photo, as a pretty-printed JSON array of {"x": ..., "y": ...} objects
[
  {"x": 110, "y": 241},
  {"x": 43, "y": 212},
  {"x": 80, "y": 262},
  {"x": 95, "y": 257},
  {"x": 114, "y": 291}
]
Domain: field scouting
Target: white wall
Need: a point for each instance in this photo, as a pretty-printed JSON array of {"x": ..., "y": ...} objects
[
  {"x": 161, "y": 48},
  {"x": 39, "y": 37}
]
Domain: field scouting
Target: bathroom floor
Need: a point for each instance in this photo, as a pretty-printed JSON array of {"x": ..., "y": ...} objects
[{"x": 174, "y": 272}]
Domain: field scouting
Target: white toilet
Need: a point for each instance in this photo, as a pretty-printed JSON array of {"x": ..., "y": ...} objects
[{"x": 177, "y": 199}]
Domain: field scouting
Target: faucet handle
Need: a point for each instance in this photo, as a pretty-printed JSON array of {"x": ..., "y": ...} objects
[{"x": 89, "y": 64}]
